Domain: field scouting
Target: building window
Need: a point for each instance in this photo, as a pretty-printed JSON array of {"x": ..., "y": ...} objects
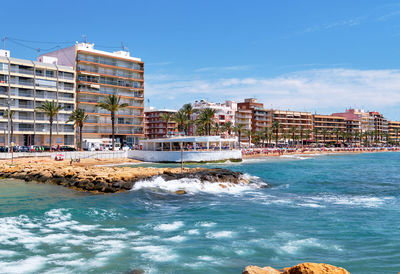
[{"x": 49, "y": 73}]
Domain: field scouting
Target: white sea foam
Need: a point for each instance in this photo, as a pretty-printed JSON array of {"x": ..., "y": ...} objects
[
  {"x": 194, "y": 186},
  {"x": 311, "y": 205},
  {"x": 62, "y": 224},
  {"x": 7, "y": 253},
  {"x": 193, "y": 232},
  {"x": 244, "y": 252},
  {"x": 176, "y": 239},
  {"x": 156, "y": 253},
  {"x": 29, "y": 265},
  {"x": 206, "y": 224},
  {"x": 169, "y": 227},
  {"x": 219, "y": 234},
  {"x": 81, "y": 227},
  {"x": 114, "y": 229},
  {"x": 355, "y": 201},
  {"x": 205, "y": 258},
  {"x": 294, "y": 246},
  {"x": 56, "y": 256}
]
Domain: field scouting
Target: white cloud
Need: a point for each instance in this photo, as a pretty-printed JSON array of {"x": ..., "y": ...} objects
[
  {"x": 224, "y": 68},
  {"x": 338, "y": 24},
  {"x": 312, "y": 90}
]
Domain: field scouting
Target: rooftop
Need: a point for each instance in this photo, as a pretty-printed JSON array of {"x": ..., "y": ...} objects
[
  {"x": 189, "y": 139},
  {"x": 89, "y": 47},
  {"x": 35, "y": 63}
]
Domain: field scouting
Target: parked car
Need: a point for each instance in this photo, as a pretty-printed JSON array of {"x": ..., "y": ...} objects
[{"x": 67, "y": 148}]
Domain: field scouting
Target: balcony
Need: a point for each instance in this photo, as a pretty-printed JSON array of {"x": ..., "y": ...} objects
[{"x": 22, "y": 71}]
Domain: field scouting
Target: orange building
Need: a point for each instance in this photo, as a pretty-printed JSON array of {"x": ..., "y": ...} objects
[{"x": 99, "y": 74}]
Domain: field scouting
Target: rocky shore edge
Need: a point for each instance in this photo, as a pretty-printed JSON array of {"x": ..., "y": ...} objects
[
  {"x": 303, "y": 268},
  {"x": 112, "y": 179}
]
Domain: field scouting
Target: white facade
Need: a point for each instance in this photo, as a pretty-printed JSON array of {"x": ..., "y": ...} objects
[
  {"x": 225, "y": 111},
  {"x": 188, "y": 156},
  {"x": 189, "y": 148},
  {"x": 25, "y": 85}
]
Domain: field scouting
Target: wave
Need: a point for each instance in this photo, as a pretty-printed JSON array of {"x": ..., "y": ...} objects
[
  {"x": 192, "y": 186},
  {"x": 169, "y": 227}
]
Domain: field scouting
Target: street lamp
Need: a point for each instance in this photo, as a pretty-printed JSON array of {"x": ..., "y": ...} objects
[{"x": 9, "y": 123}]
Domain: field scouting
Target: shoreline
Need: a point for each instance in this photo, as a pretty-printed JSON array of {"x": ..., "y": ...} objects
[{"x": 259, "y": 153}]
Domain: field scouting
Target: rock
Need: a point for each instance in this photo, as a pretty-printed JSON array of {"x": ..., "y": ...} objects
[
  {"x": 304, "y": 268},
  {"x": 313, "y": 268},
  {"x": 180, "y": 192},
  {"x": 137, "y": 271},
  {"x": 107, "y": 179},
  {"x": 258, "y": 270}
]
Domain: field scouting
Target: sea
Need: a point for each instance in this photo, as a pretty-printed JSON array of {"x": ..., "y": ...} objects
[{"x": 342, "y": 210}]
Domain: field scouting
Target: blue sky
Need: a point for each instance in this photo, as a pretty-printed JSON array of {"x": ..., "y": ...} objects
[{"x": 319, "y": 56}]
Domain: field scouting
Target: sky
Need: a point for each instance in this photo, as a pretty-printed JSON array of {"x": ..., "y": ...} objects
[{"x": 311, "y": 55}]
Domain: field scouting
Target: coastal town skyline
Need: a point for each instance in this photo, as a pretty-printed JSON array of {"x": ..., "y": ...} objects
[{"x": 294, "y": 65}]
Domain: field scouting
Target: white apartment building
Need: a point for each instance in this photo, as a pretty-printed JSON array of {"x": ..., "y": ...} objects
[
  {"x": 25, "y": 85},
  {"x": 224, "y": 111}
]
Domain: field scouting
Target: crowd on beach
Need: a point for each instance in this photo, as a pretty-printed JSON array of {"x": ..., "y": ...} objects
[{"x": 255, "y": 152}]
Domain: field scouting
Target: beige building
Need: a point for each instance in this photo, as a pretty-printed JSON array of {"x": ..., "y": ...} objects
[
  {"x": 25, "y": 85},
  {"x": 301, "y": 121},
  {"x": 99, "y": 74},
  {"x": 330, "y": 126},
  {"x": 394, "y": 131}
]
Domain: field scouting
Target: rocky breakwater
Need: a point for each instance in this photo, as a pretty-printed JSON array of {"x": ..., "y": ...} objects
[
  {"x": 304, "y": 268},
  {"x": 110, "y": 179}
]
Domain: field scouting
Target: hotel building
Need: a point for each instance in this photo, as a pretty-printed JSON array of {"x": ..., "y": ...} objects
[
  {"x": 254, "y": 116},
  {"x": 155, "y": 127},
  {"x": 25, "y": 85},
  {"x": 301, "y": 121},
  {"x": 245, "y": 116},
  {"x": 99, "y": 74},
  {"x": 394, "y": 131},
  {"x": 224, "y": 111},
  {"x": 330, "y": 126},
  {"x": 360, "y": 121}
]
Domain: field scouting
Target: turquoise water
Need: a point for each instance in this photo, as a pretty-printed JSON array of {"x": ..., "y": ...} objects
[{"x": 342, "y": 210}]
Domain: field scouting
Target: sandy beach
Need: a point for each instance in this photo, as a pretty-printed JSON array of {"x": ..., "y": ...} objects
[{"x": 262, "y": 152}]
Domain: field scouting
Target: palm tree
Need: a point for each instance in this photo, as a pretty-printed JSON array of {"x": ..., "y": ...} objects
[
  {"x": 227, "y": 127},
  {"x": 206, "y": 119},
  {"x": 239, "y": 128},
  {"x": 113, "y": 105},
  {"x": 166, "y": 117},
  {"x": 343, "y": 134},
  {"x": 217, "y": 128},
  {"x": 10, "y": 116},
  {"x": 258, "y": 137},
  {"x": 301, "y": 130},
  {"x": 181, "y": 119},
  {"x": 293, "y": 132},
  {"x": 275, "y": 127},
  {"x": 188, "y": 110},
  {"x": 365, "y": 134},
  {"x": 337, "y": 132},
  {"x": 264, "y": 135},
  {"x": 78, "y": 116},
  {"x": 326, "y": 133},
  {"x": 51, "y": 109},
  {"x": 316, "y": 134},
  {"x": 308, "y": 133},
  {"x": 356, "y": 135},
  {"x": 249, "y": 133}
]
